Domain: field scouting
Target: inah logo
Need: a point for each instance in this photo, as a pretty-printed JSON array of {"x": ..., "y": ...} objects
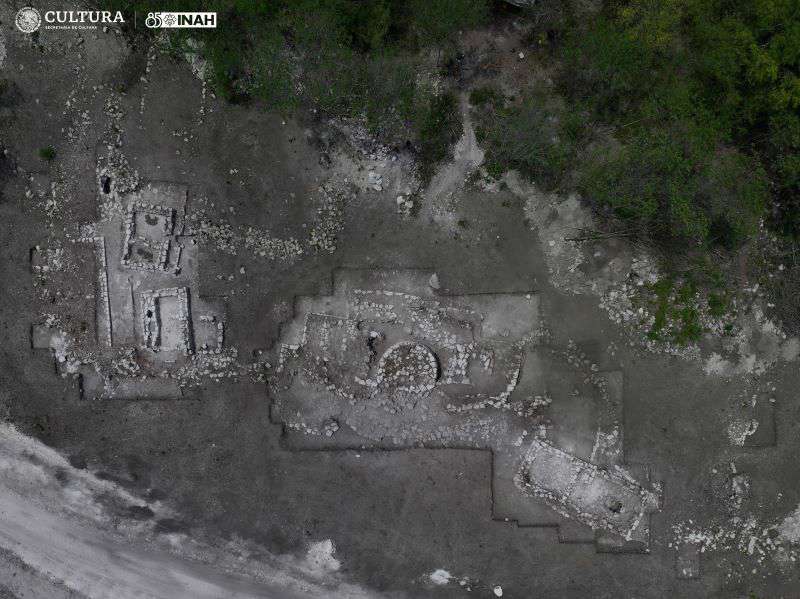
[
  {"x": 28, "y": 19},
  {"x": 171, "y": 20}
]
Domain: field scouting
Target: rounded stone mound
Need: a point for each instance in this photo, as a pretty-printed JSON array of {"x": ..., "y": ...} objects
[{"x": 408, "y": 367}]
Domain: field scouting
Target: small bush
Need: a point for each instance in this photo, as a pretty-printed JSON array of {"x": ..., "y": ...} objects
[
  {"x": 690, "y": 329},
  {"x": 717, "y": 304},
  {"x": 47, "y": 153}
]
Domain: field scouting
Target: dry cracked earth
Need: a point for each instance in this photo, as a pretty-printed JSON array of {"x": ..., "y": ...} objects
[{"x": 248, "y": 355}]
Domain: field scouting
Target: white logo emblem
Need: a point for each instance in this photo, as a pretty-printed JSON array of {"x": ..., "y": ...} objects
[{"x": 28, "y": 19}]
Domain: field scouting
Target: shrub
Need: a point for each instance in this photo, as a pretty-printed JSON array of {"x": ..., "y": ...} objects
[
  {"x": 722, "y": 78},
  {"x": 47, "y": 153},
  {"x": 675, "y": 193}
]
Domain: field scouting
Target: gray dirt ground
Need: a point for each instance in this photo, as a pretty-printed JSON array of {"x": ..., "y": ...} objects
[{"x": 220, "y": 461}]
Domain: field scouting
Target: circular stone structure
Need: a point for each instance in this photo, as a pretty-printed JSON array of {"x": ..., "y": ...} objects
[{"x": 408, "y": 367}]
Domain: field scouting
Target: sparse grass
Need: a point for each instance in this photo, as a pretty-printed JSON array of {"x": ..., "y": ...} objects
[
  {"x": 539, "y": 137},
  {"x": 343, "y": 58},
  {"x": 439, "y": 127},
  {"x": 662, "y": 290},
  {"x": 676, "y": 317}
]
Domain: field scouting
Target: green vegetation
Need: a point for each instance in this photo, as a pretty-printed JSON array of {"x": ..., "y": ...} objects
[
  {"x": 439, "y": 126},
  {"x": 717, "y": 304},
  {"x": 680, "y": 118},
  {"x": 484, "y": 95},
  {"x": 699, "y": 94},
  {"x": 343, "y": 58},
  {"x": 699, "y": 103},
  {"x": 676, "y": 315},
  {"x": 677, "y": 301},
  {"x": 537, "y": 136},
  {"x": 48, "y": 153}
]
